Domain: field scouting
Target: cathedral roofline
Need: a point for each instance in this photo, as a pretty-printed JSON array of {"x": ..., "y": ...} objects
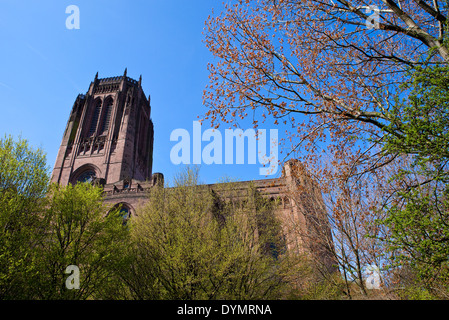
[
  {"x": 117, "y": 83},
  {"x": 117, "y": 79}
]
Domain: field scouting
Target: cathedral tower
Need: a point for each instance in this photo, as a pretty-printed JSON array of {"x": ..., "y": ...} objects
[
  {"x": 109, "y": 135},
  {"x": 109, "y": 140}
]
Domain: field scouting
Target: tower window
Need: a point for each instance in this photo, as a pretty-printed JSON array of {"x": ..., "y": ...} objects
[
  {"x": 94, "y": 120},
  {"x": 87, "y": 176},
  {"x": 124, "y": 212},
  {"x": 106, "y": 116},
  {"x": 126, "y": 184}
]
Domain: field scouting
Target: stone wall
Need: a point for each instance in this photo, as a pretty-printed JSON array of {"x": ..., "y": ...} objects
[{"x": 301, "y": 208}]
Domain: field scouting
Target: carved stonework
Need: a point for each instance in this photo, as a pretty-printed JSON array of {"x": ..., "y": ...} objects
[
  {"x": 120, "y": 160},
  {"x": 101, "y": 128}
]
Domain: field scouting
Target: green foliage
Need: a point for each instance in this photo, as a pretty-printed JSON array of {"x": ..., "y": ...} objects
[
  {"x": 81, "y": 231},
  {"x": 23, "y": 170},
  {"x": 315, "y": 287},
  {"x": 418, "y": 218},
  {"x": 44, "y": 229},
  {"x": 23, "y": 184},
  {"x": 419, "y": 227},
  {"x": 415, "y": 292},
  {"x": 190, "y": 244},
  {"x": 420, "y": 122}
]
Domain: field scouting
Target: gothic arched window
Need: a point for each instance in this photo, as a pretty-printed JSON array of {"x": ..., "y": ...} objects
[
  {"x": 94, "y": 119},
  {"x": 125, "y": 212},
  {"x": 106, "y": 115},
  {"x": 86, "y": 176}
]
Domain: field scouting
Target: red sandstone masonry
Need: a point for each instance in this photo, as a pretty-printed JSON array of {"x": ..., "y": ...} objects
[
  {"x": 124, "y": 149},
  {"x": 122, "y": 155}
]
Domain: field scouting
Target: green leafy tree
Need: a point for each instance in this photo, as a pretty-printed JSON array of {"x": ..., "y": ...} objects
[
  {"x": 420, "y": 122},
  {"x": 419, "y": 238},
  {"x": 190, "y": 243},
  {"x": 23, "y": 185},
  {"x": 418, "y": 217},
  {"x": 83, "y": 232}
]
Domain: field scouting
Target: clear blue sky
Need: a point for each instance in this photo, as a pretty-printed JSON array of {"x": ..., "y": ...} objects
[{"x": 44, "y": 66}]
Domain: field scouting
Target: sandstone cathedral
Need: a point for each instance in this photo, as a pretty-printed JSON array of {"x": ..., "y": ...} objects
[{"x": 109, "y": 139}]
